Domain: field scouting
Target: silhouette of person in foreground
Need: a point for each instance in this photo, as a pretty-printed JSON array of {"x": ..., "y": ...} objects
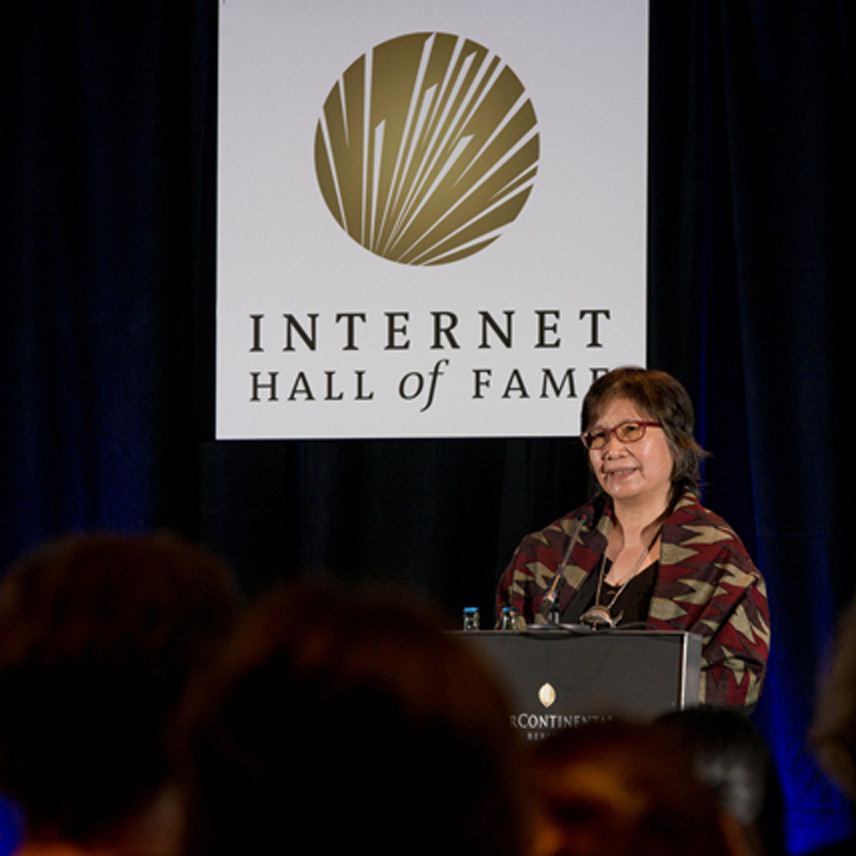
[
  {"x": 729, "y": 754},
  {"x": 833, "y": 731},
  {"x": 351, "y": 715},
  {"x": 620, "y": 788},
  {"x": 98, "y": 637}
]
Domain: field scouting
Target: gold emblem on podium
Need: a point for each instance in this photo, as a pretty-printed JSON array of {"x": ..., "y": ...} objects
[
  {"x": 426, "y": 149},
  {"x": 547, "y": 695}
]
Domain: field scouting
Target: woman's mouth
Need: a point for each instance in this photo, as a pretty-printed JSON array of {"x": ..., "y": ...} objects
[{"x": 620, "y": 473}]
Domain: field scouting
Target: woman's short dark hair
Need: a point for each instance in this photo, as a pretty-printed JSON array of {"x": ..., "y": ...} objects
[{"x": 663, "y": 398}]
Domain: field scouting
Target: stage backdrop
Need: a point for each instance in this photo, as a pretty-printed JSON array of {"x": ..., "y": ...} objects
[
  {"x": 431, "y": 214},
  {"x": 108, "y": 168}
]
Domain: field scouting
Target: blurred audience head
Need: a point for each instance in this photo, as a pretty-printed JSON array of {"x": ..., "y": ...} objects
[
  {"x": 833, "y": 731},
  {"x": 731, "y": 756},
  {"x": 616, "y": 788},
  {"x": 351, "y": 713},
  {"x": 98, "y": 637}
]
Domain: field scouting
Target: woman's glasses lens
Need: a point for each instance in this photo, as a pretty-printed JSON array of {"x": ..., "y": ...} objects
[{"x": 627, "y": 432}]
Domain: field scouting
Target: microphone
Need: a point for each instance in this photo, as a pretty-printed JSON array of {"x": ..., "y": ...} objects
[{"x": 551, "y": 598}]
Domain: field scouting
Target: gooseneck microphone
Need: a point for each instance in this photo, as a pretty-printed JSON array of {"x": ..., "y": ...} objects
[{"x": 551, "y": 598}]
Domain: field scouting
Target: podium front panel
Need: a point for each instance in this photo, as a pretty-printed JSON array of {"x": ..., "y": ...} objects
[{"x": 558, "y": 680}]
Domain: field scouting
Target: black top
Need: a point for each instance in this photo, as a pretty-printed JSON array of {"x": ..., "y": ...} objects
[{"x": 634, "y": 602}]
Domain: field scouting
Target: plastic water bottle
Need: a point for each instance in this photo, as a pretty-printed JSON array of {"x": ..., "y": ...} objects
[
  {"x": 472, "y": 620},
  {"x": 508, "y": 618}
]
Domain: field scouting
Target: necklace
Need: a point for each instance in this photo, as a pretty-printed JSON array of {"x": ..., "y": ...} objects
[{"x": 600, "y": 614}]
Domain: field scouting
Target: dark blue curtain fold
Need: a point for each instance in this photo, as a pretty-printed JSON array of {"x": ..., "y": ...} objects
[
  {"x": 752, "y": 174},
  {"x": 106, "y": 129},
  {"x": 107, "y": 152}
]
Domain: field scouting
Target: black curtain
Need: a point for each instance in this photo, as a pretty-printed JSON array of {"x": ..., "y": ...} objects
[
  {"x": 752, "y": 176},
  {"x": 108, "y": 159}
]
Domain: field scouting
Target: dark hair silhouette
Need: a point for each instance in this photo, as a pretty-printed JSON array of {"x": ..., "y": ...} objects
[
  {"x": 351, "y": 714},
  {"x": 833, "y": 731},
  {"x": 98, "y": 637},
  {"x": 729, "y": 754},
  {"x": 620, "y": 788}
]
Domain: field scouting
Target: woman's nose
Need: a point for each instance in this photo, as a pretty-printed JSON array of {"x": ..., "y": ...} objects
[{"x": 612, "y": 445}]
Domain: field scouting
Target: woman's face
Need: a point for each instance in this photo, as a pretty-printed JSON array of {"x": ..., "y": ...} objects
[{"x": 637, "y": 472}]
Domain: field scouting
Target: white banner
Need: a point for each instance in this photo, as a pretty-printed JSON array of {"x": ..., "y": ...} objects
[{"x": 431, "y": 214}]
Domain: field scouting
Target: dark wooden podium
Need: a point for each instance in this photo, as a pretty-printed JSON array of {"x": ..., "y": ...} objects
[{"x": 559, "y": 678}]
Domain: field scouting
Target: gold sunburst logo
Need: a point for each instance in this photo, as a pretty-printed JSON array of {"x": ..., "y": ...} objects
[{"x": 427, "y": 147}]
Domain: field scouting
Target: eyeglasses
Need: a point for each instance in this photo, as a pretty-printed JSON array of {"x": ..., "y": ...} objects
[{"x": 627, "y": 432}]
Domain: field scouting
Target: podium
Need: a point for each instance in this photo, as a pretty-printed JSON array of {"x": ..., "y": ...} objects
[{"x": 558, "y": 678}]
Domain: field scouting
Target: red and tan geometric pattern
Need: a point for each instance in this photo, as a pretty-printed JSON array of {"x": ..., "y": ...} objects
[{"x": 706, "y": 584}]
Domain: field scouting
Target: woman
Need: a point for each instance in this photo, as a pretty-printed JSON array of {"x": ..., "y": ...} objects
[{"x": 644, "y": 549}]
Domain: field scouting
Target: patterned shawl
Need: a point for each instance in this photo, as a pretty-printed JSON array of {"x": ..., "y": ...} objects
[{"x": 706, "y": 584}]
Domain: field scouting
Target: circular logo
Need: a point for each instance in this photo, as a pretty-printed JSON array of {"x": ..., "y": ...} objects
[{"x": 426, "y": 149}]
